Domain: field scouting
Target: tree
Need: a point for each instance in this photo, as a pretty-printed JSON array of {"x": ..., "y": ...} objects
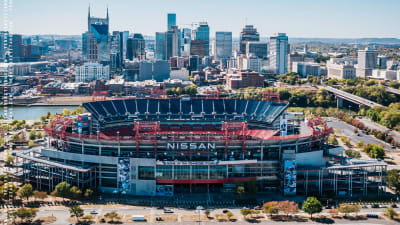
[
  {"x": 288, "y": 207},
  {"x": 240, "y": 191},
  {"x": 271, "y": 207},
  {"x": 26, "y": 191},
  {"x": 332, "y": 140},
  {"x": 229, "y": 214},
  {"x": 40, "y": 195},
  {"x": 76, "y": 211},
  {"x": 347, "y": 208},
  {"x": 75, "y": 193},
  {"x": 88, "y": 193},
  {"x": 31, "y": 144},
  {"x": 32, "y": 135},
  {"x": 207, "y": 212},
  {"x": 62, "y": 190},
  {"x": 393, "y": 180},
  {"x": 390, "y": 212},
  {"x": 24, "y": 213},
  {"x": 11, "y": 191},
  {"x": 111, "y": 215},
  {"x": 9, "y": 160},
  {"x": 312, "y": 205},
  {"x": 245, "y": 212}
]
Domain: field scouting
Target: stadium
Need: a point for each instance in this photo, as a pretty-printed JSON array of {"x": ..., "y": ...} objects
[{"x": 162, "y": 146}]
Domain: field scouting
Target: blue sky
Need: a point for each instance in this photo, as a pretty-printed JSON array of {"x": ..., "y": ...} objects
[{"x": 298, "y": 18}]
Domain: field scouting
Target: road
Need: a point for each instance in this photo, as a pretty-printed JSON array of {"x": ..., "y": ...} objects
[
  {"x": 371, "y": 124},
  {"x": 350, "y": 97},
  {"x": 62, "y": 215},
  {"x": 348, "y": 131}
]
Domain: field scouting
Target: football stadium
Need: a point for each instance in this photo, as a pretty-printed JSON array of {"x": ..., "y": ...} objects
[{"x": 163, "y": 146}]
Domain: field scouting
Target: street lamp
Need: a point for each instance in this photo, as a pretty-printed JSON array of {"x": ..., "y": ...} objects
[{"x": 199, "y": 208}]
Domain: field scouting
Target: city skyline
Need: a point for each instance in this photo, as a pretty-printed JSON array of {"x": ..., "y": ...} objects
[{"x": 298, "y": 18}]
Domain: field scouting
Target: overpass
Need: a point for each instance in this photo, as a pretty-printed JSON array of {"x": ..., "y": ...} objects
[
  {"x": 350, "y": 97},
  {"x": 393, "y": 90}
]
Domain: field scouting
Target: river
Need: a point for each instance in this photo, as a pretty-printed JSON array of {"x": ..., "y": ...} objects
[{"x": 34, "y": 112}]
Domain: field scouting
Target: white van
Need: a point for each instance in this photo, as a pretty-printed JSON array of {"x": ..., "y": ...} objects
[{"x": 138, "y": 218}]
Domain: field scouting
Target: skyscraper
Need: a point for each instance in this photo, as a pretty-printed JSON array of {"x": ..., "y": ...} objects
[
  {"x": 160, "y": 46},
  {"x": 116, "y": 52},
  {"x": 125, "y": 37},
  {"x": 249, "y": 33},
  {"x": 278, "y": 55},
  {"x": 172, "y": 42},
  {"x": 223, "y": 45},
  {"x": 185, "y": 41},
  {"x": 367, "y": 61},
  {"x": 202, "y": 33},
  {"x": 171, "y": 20},
  {"x": 98, "y": 28},
  {"x": 136, "y": 47},
  {"x": 17, "y": 48},
  {"x": 259, "y": 49}
]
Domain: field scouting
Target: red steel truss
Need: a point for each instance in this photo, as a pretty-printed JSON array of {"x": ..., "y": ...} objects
[
  {"x": 146, "y": 129},
  {"x": 271, "y": 96},
  {"x": 230, "y": 128},
  {"x": 161, "y": 93},
  {"x": 319, "y": 128},
  {"x": 212, "y": 94}
]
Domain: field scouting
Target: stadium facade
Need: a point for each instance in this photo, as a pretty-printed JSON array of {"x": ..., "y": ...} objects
[{"x": 163, "y": 146}]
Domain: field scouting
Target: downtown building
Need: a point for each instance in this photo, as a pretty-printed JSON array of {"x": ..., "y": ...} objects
[
  {"x": 367, "y": 61},
  {"x": 92, "y": 71},
  {"x": 248, "y": 34},
  {"x": 96, "y": 41},
  {"x": 278, "y": 53},
  {"x": 223, "y": 46}
]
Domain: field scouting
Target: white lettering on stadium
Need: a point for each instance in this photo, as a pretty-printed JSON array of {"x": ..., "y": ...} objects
[{"x": 193, "y": 146}]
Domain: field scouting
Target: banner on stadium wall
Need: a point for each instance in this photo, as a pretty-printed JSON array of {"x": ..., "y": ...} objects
[
  {"x": 165, "y": 190},
  {"x": 123, "y": 175},
  {"x": 283, "y": 127},
  {"x": 289, "y": 181}
]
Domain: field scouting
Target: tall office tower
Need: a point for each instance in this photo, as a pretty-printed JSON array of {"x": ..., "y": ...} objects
[
  {"x": 194, "y": 63},
  {"x": 367, "y": 61},
  {"x": 172, "y": 42},
  {"x": 160, "y": 45},
  {"x": 136, "y": 47},
  {"x": 259, "y": 49},
  {"x": 17, "y": 48},
  {"x": 185, "y": 41},
  {"x": 278, "y": 54},
  {"x": 198, "y": 47},
  {"x": 3, "y": 45},
  {"x": 98, "y": 29},
  {"x": 116, "y": 52},
  {"x": 202, "y": 33},
  {"x": 223, "y": 46},
  {"x": 382, "y": 61},
  {"x": 171, "y": 17},
  {"x": 125, "y": 36},
  {"x": 249, "y": 33}
]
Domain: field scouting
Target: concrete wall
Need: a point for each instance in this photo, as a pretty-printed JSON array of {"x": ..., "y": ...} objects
[{"x": 314, "y": 159}]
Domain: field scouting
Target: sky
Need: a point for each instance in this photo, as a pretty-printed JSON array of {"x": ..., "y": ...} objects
[{"x": 297, "y": 18}]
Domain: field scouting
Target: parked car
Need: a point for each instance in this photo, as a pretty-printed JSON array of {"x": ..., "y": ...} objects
[
  {"x": 225, "y": 211},
  {"x": 393, "y": 206},
  {"x": 93, "y": 212},
  {"x": 372, "y": 215},
  {"x": 168, "y": 211},
  {"x": 365, "y": 207},
  {"x": 375, "y": 206}
]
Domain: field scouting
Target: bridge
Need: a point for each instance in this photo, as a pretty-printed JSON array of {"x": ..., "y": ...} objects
[
  {"x": 393, "y": 90},
  {"x": 350, "y": 97}
]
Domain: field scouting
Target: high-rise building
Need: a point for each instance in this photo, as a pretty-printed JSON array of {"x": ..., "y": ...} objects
[
  {"x": 125, "y": 36},
  {"x": 160, "y": 47},
  {"x": 116, "y": 52},
  {"x": 136, "y": 47},
  {"x": 249, "y": 33},
  {"x": 294, "y": 57},
  {"x": 17, "y": 48},
  {"x": 161, "y": 70},
  {"x": 278, "y": 53},
  {"x": 382, "y": 60},
  {"x": 223, "y": 46},
  {"x": 258, "y": 49},
  {"x": 4, "y": 37},
  {"x": 98, "y": 29},
  {"x": 199, "y": 48},
  {"x": 367, "y": 61},
  {"x": 202, "y": 33},
  {"x": 171, "y": 18},
  {"x": 172, "y": 43},
  {"x": 194, "y": 63},
  {"x": 185, "y": 41}
]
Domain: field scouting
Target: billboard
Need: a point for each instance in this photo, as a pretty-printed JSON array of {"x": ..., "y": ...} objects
[
  {"x": 289, "y": 180},
  {"x": 123, "y": 175},
  {"x": 165, "y": 190}
]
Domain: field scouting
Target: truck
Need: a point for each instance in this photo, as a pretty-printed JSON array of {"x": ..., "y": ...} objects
[{"x": 138, "y": 218}]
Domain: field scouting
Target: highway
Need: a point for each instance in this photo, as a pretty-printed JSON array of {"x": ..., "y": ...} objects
[
  {"x": 350, "y": 97},
  {"x": 393, "y": 90}
]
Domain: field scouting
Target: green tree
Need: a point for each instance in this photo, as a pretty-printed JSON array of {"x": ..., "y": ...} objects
[
  {"x": 31, "y": 144},
  {"x": 393, "y": 180},
  {"x": 62, "y": 190},
  {"x": 88, "y": 193},
  {"x": 112, "y": 216},
  {"x": 75, "y": 193},
  {"x": 8, "y": 191},
  {"x": 76, "y": 211},
  {"x": 26, "y": 191},
  {"x": 240, "y": 191},
  {"x": 271, "y": 207},
  {"x": 390, "y": 212},
  {"x": 311, "y": 206},
  {"x": 24, "y": 213},
  {"x": 9, "y": 160},
  {"x": 332, "y": 140},
  {"x": 32, "y": 135},
  {"x": 347, "y": 208}
]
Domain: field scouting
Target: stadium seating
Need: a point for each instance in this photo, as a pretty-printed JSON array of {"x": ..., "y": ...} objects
[{"x": 192, "y": 109}]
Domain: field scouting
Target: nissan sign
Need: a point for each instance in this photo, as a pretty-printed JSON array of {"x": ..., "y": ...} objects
[{"x": 192, "y": 146}]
